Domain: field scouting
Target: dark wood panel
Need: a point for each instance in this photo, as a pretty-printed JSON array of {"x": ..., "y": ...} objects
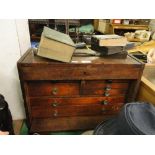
[
  {"x": 31, "y": 59},
  {"x": 103, "y": 92},
  {"x": 101, "y": 84},
  {"x": 66, "y": 123},
  {"x": 50, "y": 88},
  {"x": 46, "y": 102},
  {"x": 82, "y": 110},
  {"x": 88, "y": 72}
]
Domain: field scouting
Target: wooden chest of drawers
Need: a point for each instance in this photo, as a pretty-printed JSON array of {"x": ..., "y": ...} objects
[{"x": 78, "y": 95}]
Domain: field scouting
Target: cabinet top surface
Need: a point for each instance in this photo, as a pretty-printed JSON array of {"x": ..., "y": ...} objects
[{"x": 30, "y": 58}]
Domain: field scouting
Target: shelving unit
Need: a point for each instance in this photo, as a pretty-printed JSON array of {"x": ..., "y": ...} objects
[
  {"x": 63, "y": 25},
  {"x": 126, "y": 28}
]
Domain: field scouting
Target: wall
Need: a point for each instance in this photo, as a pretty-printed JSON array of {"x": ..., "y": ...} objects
[{"x": 14, "y": 41}]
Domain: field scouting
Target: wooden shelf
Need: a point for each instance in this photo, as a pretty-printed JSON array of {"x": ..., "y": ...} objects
[{"x": 128, "y": 27}]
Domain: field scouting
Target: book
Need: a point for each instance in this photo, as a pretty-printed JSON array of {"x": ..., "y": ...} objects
[
  {"x": 110, "y": 40},
  {"x": 107, "y": 50},
  {"x": 56, "y": 45},
  {"x": 85, "y": 52}
]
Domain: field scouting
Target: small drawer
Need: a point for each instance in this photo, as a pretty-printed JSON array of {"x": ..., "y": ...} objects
[
  {"x": 104, "y": 87},
  {"x": 51, "y": 88},
  {"x": 101, "y": 84},
  {"x": 103, "y": 92}
]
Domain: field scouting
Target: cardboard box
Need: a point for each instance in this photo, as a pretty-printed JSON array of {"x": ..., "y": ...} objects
[{"x": 102, "y": 25}]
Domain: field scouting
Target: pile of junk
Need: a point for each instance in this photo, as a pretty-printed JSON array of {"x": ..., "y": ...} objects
[{"x": 144, "y": 43}]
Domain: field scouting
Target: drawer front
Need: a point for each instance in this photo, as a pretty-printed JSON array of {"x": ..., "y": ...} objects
[
  {"x": 57, "y": 102},
  {"x": 49, "y": 88},
  {"x": 105, "y": 87},
  {"x": 112, "y": 92},
  {"x": 80, "y": 71},
  {"x": 69, "y": 111},
  {"x": 101, "y": 84}
]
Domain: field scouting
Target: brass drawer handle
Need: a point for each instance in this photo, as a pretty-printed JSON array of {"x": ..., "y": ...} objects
[
  {"x": 54, "y": 104},
  {"x": 55, "y": 91},
  {"x": 105, "y": 102},
  {"x": 107, "y": 94},
  {"x": 55, "y": 113}
]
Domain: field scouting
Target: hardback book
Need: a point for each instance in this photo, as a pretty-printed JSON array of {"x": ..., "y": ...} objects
[
  {"x": 85, "y": 52},
  {"x": 56, "y": 45},
  {"x": 107, "y": 50},
  {"x": 111, "y": 52},
  {"x": 109, "y": 40},
  {"x": 109, "y": 44}
]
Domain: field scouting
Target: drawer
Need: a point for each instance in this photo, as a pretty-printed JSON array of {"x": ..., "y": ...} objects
[
  {"x": 47, "y": 102},
  {"x": 81, "y": 110},
  {"x": 102, "y": 84},
  {"x": 112, "y": 92},
  {"x": 51, "y": 88},
  {"x": 104, "y": 87},
  {"x": 70, "y": 71}
]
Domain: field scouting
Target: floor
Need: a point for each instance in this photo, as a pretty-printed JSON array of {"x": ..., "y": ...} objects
[{"x": 17, "y": 126}]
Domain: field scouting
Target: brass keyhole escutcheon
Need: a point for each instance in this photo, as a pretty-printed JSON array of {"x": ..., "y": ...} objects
[
  {"x": 54, "y": 104},
  {"x": 107, "y": 94},
  {"x": 107, "y": 88}
]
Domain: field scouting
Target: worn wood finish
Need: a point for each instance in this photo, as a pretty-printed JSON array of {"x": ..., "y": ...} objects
[
  {"x": 69, "y": 111},
  {"x": 52, "y": 88},
  {"x": 77, "y": 95},
  {"x": 68, "y": 123},
  {"x": 79, "y": 72},
  {"x": 47, "y": 102},
  {"x": 100, "y": 84}
]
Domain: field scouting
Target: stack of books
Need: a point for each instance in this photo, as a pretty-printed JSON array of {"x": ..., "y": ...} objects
[
  {"x": 56, "y": 45},
  {"x": 109, "y": 44}
]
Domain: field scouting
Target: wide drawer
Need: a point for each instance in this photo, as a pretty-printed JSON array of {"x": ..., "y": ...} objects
[
  {"x": 47, "y": 102},
  {"x": 52, "y": 88},
  {"x": 80, "y": 110},
  {"x": 79, "y": 71},
  {"x": 46, "y": 107}
]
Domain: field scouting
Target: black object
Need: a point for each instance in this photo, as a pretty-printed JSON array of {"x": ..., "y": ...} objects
[
  {"x": 107, "y": 50},
  {"x": 134, "y": 119},
  {"x": 140, "y": 55},
  {"x": 5, "y": 117},
  {"x": 80, "y": 45},
  {"x": 87, "y": 39}
]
